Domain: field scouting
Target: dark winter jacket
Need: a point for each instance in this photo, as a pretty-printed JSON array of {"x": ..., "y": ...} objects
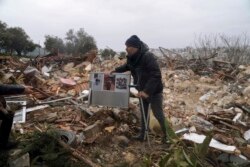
[
  {"x": 145, "y": 71},
  {"x": 11, "y": 89}
]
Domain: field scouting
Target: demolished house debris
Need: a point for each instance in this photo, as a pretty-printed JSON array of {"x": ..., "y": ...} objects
[{"x": 195, "y": 104}]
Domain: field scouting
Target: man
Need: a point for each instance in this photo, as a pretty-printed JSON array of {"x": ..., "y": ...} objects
[
  {"x": 7, "y": 116},
  {"x": 147, "y": 76}
]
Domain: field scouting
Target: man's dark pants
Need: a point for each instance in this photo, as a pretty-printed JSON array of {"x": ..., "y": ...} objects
[
  {"x": 5, "y": 127},
  {"x": 157, "y": 108}
]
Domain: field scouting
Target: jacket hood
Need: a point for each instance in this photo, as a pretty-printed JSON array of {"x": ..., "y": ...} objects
[
  {"x": 133, "y": 60},
  {"x": 144, "y": 48}
]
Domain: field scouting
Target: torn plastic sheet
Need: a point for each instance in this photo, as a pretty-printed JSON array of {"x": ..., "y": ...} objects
[
  {"x": 46, "y": 70},
  {"x": 69, "y": 82},
  {"x": 214, "y": 143},
  {"x": 85, "y": 92},
  {"x": 83, "y": 95},
  {"x": 247, "y": 135},
  {"x": 31, "y": 70}
]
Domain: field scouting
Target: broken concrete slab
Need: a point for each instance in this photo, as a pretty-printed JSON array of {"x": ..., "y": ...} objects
[
  {"x": 226, "y": 100},
  {"x": 109, "y": 121},
  {"x": 214, "y": 143},
  {"x": 206, "y": 96},
  {"x": 121, "y": 140},
  {"x": 238, "y": 160},
  {"x": 92, "y": 130},
  {"x": 201, "y": 124},
  {"x": 246, "y": 92}
]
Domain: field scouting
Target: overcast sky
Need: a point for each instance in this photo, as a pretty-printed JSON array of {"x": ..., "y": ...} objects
[{"x": 167, "y": 23}]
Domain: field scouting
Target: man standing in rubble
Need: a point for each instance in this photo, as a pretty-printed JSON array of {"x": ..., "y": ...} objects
[
  {"x": 147, "y": 76},
  {"x": 7, "y": 116}
]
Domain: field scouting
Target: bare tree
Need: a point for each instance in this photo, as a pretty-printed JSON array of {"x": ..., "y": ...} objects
[
  {"x": 237, "y": 48},
  {"x": 206, "y": 46},
  {"x": 234, "y": 49}
]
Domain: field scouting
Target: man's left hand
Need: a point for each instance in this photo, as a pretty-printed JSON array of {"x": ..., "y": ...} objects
[
  {"x": 143, "y": 95},
  {"x": 27, "y": 89}
]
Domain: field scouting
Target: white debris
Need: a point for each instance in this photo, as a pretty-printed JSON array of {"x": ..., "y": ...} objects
[
  {"x": 247, "y": 135},
  {"x": 214, "y": 143}
]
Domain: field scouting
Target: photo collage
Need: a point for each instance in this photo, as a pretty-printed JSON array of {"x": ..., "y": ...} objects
[{"x": 106, "y": 82}]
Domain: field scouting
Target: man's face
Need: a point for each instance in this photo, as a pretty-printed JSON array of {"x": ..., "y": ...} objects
[{"x": 131, "y": 50}]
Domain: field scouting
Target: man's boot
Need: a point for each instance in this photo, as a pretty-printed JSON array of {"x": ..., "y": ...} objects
[
  {"x": 141, "y": 137},
  {"x": 165, "y": 139}
]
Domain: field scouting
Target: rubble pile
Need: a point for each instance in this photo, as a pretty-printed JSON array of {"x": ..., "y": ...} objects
[
  {"x": 195, "y": 105},
  {"x": 54, "y": 78},
  {"x": 204, "y": 65},
  {"x": 203, "y": 104}
]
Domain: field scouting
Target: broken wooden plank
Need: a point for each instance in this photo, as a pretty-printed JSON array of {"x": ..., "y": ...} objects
[
  {"x": 63, "y": 120},
  {"x": 78, "y": 155},
  {"x": 231, "y": 126},
  {"x": 19, "y": 112},
  {"x": 42, "y": 92},
  {"x": 56, "y": 100},
  {"x": 219, "y": 118}
]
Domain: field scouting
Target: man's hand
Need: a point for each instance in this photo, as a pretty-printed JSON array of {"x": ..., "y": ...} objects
[
  {"x": 6, "y": 112},
  {"x": 27, "y": 89},
  {"x": 111, "y": 72},
  {"x": 142, "y": 95},
  {"x": 3, "y": 110}
]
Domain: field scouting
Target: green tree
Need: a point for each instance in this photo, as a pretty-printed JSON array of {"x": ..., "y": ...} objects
[
  {"x": 79, "y": 42},
  {"x": 5, "y": 37},
  {"x": 85, "y": 42},
  {"x": 17, "y": 40},
  {"x": 107, "y": 53},
  {"x": 123, "y": 55},
  {"x": 54, "y": 44},
  {"x": 3, "y": 27},
  {"x": 71, "y": 41},
  {"x": 30, "y": 47}
]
